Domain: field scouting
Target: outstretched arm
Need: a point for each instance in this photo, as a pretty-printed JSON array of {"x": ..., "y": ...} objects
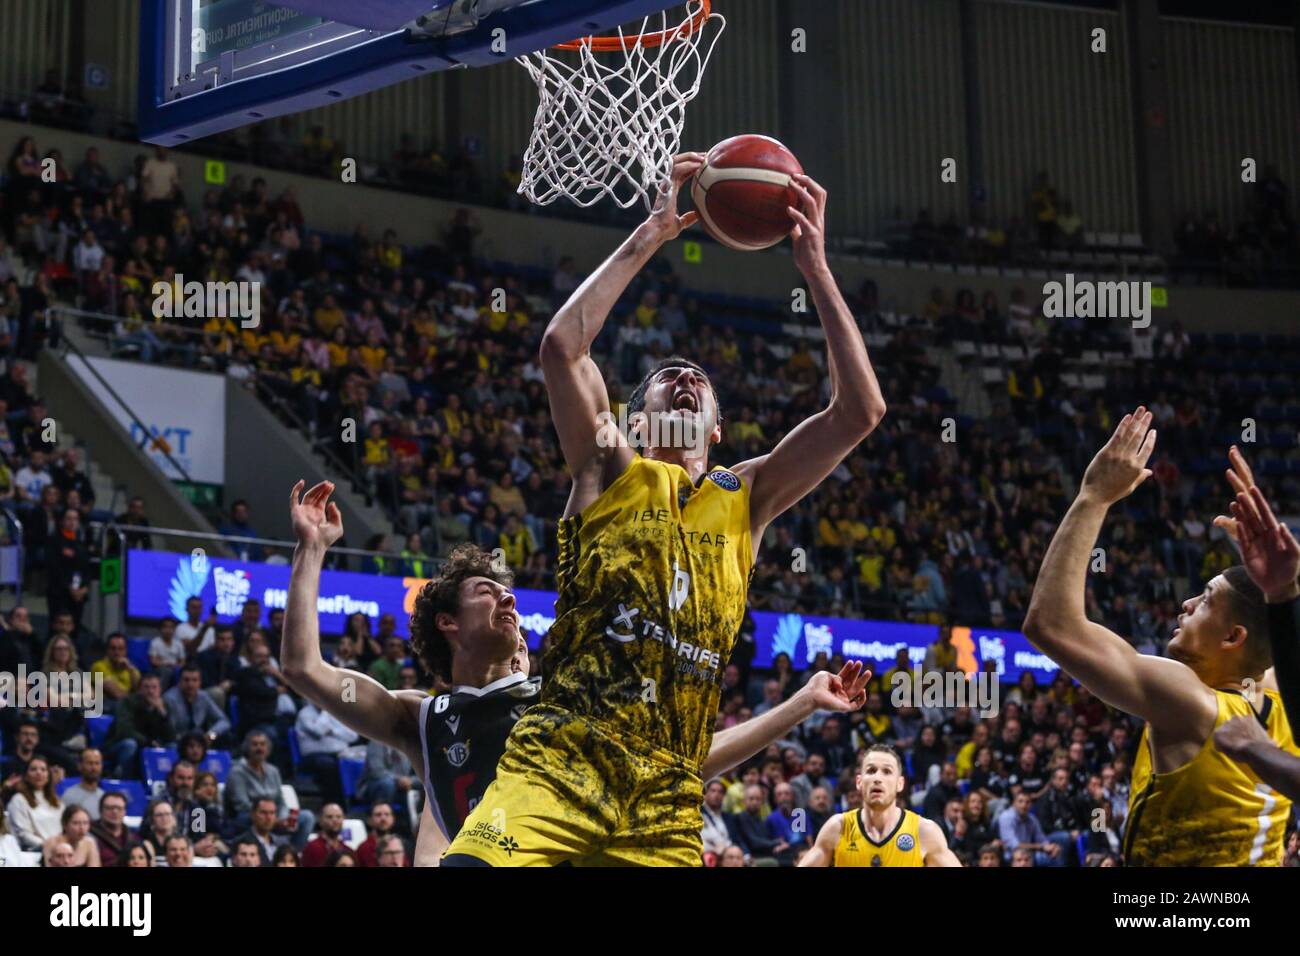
[
  {"x": 813, "y": 449},
  {"x": 1162, "y": 691},
  {"x": 934, "y": 845},
  {"x": 1243, "y": 739},
  {"x": 360, "y": 702},
  {"x": 823, "y": 850},
  {"x": 845, "y": 691},
  {"x": 573, "y": 382}
]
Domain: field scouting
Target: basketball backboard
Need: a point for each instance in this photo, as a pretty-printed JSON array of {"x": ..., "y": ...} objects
[{"x": 213, "y": 65}]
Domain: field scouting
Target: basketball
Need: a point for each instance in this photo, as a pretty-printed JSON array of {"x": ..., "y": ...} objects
[{"x": 743, "y": 191}]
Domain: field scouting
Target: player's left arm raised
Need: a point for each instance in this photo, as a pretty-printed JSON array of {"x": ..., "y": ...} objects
[
  {"x": 813, "y": 449},
  {"x": 934, "y": 845},
  {"x": 1158, "y": 689},
  {"x": 845, "y": 691}
]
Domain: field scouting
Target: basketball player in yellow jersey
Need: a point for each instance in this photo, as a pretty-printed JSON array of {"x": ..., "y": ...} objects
[
  {"x": 1191, "y": 804},
  {"x": 655, "y": 554},
  {"x": 880, "y": 832}
]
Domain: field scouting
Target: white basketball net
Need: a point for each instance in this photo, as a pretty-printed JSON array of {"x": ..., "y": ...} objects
[{"x": 612, "y": 129}]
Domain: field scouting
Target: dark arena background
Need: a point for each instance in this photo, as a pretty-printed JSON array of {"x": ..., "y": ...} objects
[{"x": 246, "y": 244}]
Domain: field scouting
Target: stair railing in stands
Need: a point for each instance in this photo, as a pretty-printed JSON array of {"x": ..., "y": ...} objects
[
  {"x": 66, "y": 345},
  {"x": 103, "y": 326}
]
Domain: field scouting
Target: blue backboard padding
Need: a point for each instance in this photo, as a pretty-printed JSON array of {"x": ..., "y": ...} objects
[
  {"x": 373, "y": 14},
  {"x": 370, "y": 65}
]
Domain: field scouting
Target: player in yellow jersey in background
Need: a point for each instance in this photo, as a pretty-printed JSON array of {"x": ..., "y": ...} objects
[
  {"x": 655, "y": 554},
  {"x": 1191, "y": 804},
  {"x": 880, "y": 832}
]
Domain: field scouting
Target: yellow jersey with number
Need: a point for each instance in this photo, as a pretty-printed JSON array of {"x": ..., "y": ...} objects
[
  {"x": 1212, "y": 811},
  {"x": 652, "y": 578},
  {"x": 902, "y": 847}
]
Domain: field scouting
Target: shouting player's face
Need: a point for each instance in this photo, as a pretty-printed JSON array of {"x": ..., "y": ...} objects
[
  {"x": 680, "y": 407},
  {"x": 489, "y": 619},
  {"x": 880, "y": 780}
]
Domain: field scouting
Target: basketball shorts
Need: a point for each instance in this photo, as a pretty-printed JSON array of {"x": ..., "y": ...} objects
[{"x": 568, "y": 790}]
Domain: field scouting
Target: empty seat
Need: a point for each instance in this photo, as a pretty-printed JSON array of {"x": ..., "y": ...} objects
[
  {"x": 351, "y": 771},
  {"x": 157, "y": 762},
  {"x": 137, "y": 651},
  {"x": 97, "y": 729},
  {"x": 217, "y": 762}
]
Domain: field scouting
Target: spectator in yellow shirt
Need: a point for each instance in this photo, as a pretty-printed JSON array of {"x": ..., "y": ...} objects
[
  {"x": 871, "y": 566},
  {"x": 453, "y": 419},
  {"x": 828, "y": 531},
  {"x": 853, "y": 531},
  {"x": 505, "y": 494},
  {"x": 800, "y": 367},
  {"x": 328, "y": 316},
  {"x": 647, "y": 310},
  {"x": 1217, "y": 560},
  {"x": 902, "y": 665},
  {"x": 253, "y": 339},
  {"x": 747, "y": 428},
  {"x": 942, "y": 654},
  {"x": 966, "y": 754},
  {"x": 120, "y": 676},
  {"x": 373, "y": 353},
  {"x": 338, "y": 348},
  {"x": 731, "y": 351},
  {"x": 884, "y": 536},
  {"x": 516, "y": 541},
  {"x": 390, "y": 252},
  {"x": 378, "y": 453},
  {"x": 219, "y": 334},
  {"x": 284, "y": 339}
]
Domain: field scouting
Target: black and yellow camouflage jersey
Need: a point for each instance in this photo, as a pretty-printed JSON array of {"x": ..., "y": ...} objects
[
  {"x": 652, "y": 579},
  {"x": 1211, "y": 811}
]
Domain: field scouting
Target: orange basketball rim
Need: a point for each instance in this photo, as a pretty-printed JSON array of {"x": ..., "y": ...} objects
[{"x": 611, "y": 44}]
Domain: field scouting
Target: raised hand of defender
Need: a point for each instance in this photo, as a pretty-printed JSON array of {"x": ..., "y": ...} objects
[
  {"x": 317, "y": 521},
  {"x": 1268, "y": 549},
  {"x": 809, "y": 233},
  {"x": 1242, "y": 479},
  {"x": 844, "y": 691},
  {"x": 663, "y": 218},
  {"x": 1121, "y": 465}
]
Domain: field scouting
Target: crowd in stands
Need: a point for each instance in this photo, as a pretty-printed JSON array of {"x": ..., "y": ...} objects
[
  {"x": 1263, "y": 245},
  {"x": 431, "y": 355},
  {"x": 1263, "y": 249}
]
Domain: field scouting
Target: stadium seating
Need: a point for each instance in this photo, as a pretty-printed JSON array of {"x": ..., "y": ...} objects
[{"x": 157, "y": 763}]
